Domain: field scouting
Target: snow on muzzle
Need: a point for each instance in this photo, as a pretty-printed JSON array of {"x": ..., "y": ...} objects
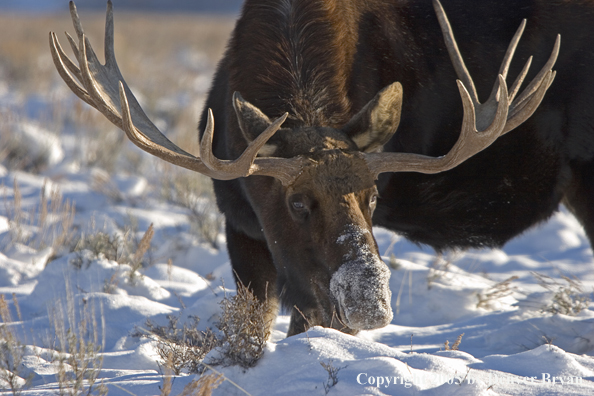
[{"x": 361, "y": 289}]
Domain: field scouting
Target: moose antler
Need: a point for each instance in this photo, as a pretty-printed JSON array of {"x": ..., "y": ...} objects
[
  {"x": 482, "y": 123},
  {"x": 104, "y": 88}
]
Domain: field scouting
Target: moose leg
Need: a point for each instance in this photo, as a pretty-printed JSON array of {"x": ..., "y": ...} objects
[
  {"x": 253, "y": 267},
  {"x": 299, "y": 323},
  {"x": 579, "y": 197}
]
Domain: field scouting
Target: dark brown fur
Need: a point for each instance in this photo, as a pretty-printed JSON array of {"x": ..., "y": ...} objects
[{"x": 322, "y": 61}]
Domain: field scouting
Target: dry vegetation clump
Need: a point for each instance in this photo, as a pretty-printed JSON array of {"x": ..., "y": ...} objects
[
  {"x": 114, "y": 247},
  {"x": 16, "y": 150},
  {"x": 77, "y": 347},
  {"x": 47, "y": 225},
  {"x": 332, "y": 375},
  {"x": 121, "y": 247},
  {"x": 243, "y": 335},
  {"x": 12, "y": 351},
  {"x": 244, "y": 329},
  {"x": 568, "y": 295},
  {"x": 180, "y": 349},
  {"x": 455, "y": 345},
  {"x": 489, "y": 297}
]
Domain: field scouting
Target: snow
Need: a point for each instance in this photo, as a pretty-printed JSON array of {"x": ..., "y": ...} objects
[
  {"x": 508, "y": 347},
  {"x": 511, "y": 343},
  {"x": 361, "y": 285}
]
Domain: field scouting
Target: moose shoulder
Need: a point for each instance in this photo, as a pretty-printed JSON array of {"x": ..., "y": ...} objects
[{"x": 326, "y": 86}]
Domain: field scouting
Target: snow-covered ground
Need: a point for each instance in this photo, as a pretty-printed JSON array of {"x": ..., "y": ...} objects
[{"x": 513, "y": 343}]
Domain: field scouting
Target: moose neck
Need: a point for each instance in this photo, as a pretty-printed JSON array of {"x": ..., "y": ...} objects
[{"x": 295, "y": 56}]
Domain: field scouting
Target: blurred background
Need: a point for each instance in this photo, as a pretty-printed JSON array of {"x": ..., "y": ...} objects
[
  {"x": 166, "y": 53},
  {"x": 210, "y": 6}
]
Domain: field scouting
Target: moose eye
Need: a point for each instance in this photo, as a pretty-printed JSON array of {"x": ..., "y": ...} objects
[
  {"x": 298, "y": 205},
  {"x": 373, "y": 200}
]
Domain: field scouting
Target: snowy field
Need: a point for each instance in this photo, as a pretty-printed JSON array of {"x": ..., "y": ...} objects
[{"x": 77, "y": 201}]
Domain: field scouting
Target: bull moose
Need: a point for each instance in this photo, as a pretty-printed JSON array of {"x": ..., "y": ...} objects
[{"x": 307, "y": 155}]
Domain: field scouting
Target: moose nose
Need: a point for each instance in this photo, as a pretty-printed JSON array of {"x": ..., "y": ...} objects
[{"x": 361, "y": 289}]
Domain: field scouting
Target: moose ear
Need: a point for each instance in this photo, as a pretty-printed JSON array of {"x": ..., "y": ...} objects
[
  {"x": 251, "y": 119},
  {"x": 375, "y": 124},
  {"x": 252, "y": 123}
]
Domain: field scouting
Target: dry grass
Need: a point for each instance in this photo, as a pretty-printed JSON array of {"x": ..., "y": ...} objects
[
  {"x": 568, "y": 295},
  {"x": 489, "y": 297},
  {"x": 78, "y": 347},
  {"x": 455, "y": 345},
  {"x": 244, "y": 329},
  {"x": 121, "y": 247},
  {"x": 180, "y": 349},
  {"x": 12, "y": 351},
  {"x": 48, "y": 224},
  {"x": 168, "y": 61},
  {"x": 204, "y": 386},
  {"x": 332, "y": 375}
]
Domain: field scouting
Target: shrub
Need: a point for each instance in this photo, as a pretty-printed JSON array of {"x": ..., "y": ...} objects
[
  {"x": 182, "y": 348},
  {"x": 244, "y": 329}
]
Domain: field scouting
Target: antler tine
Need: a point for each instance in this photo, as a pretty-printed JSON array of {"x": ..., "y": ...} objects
[
  {"x": 519, "y": 80},
  {"x": 69, "y": 64},
  {"x": 519, "y": 113},
  {"x": 109, "y": 37},
  {"x": 61, "y": 61},
  {"x": 505, "y": 63},
  {"x": 511, "y": 50},
  {"x": 454, "y": 51},
  {"x": 92, "y": 57},
  {"x": 244, "y": 163},
  {"x": 75, "y": 20},
  {"x": 283, "y": 169},
  {"x": 533, "y": 93},
  {"x": 73, "y": 44}
]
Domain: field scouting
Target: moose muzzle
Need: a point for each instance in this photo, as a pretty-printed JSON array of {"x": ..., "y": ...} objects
[{"x": 362, "y": 292}]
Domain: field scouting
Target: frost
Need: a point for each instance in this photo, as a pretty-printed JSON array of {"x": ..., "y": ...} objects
[
  {"x": 362, "y": 284},
  {"x": 352, "y": 232}
]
